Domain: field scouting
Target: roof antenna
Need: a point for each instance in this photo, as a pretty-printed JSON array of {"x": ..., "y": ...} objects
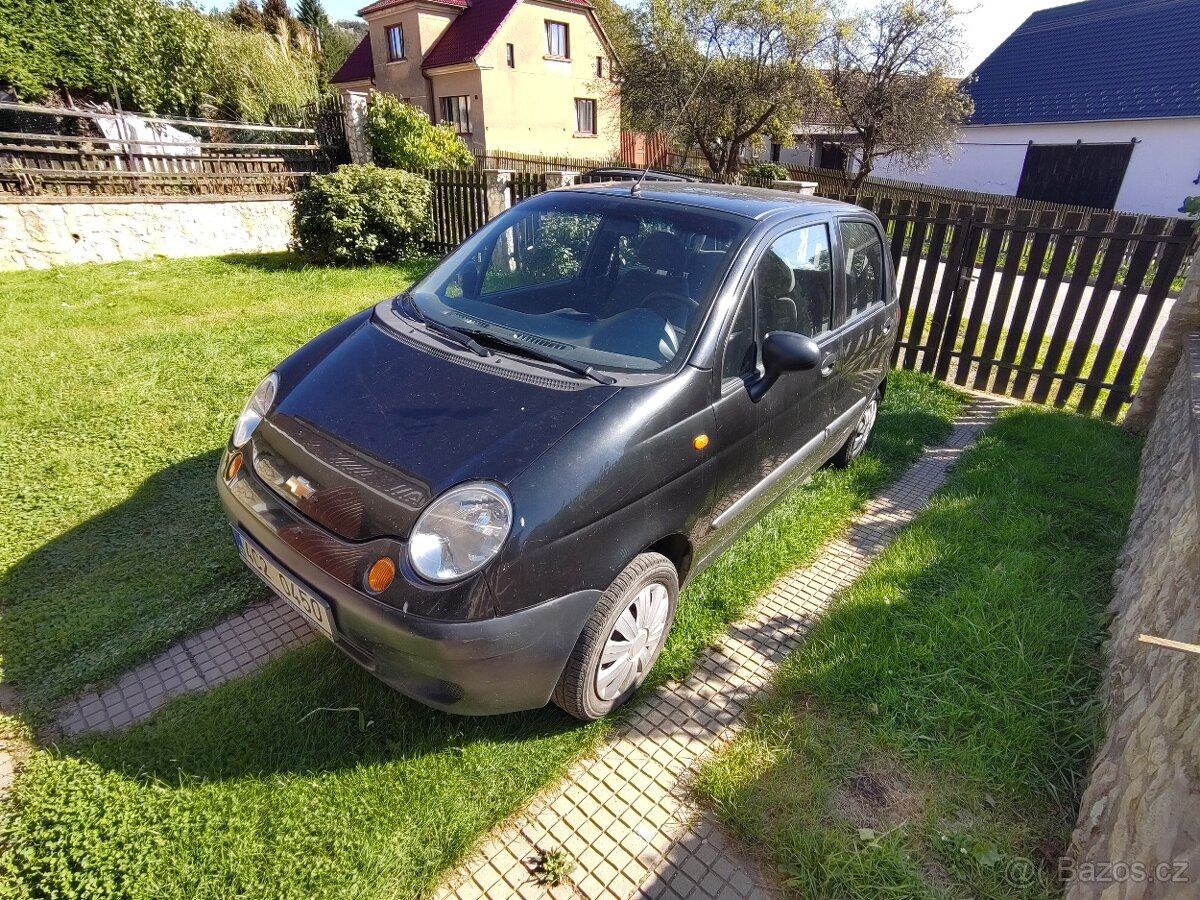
[{"x": 637, "y": 185}]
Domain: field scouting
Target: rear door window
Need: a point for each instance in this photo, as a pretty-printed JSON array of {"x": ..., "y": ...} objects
[{"x": 863, "y": 251}]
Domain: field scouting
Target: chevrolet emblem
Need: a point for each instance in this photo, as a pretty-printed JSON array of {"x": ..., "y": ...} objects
[{"x": 301, "y": 488}]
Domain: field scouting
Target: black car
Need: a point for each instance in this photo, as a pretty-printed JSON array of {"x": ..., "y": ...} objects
[{"x": 489, "y": 490}]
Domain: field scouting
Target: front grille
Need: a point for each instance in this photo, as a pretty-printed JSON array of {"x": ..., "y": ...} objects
[{"x": 337, "y": 487}]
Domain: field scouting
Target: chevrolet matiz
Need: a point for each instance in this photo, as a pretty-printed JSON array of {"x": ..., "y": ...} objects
[{"x": 490, "y": 489}]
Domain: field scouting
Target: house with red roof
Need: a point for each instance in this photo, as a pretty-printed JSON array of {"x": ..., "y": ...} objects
[{"x": 524, "y": 76}]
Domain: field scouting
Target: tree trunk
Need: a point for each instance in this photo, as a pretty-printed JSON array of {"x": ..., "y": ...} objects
[{"x": 1184, "y": 317}]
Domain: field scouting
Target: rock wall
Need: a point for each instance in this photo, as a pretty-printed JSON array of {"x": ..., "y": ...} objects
[
  {"x": 1138, "y": 834},
  {"x": 37, "y": 234}
]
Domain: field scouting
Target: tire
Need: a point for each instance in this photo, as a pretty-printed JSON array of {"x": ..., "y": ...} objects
[
  {"x": 860, "y": 434},
  {"x": 592, "y": 686}
]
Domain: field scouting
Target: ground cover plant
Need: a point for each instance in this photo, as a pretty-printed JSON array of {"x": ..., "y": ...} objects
[
  {"x": 307, "y": 779},
  {"x": 930, "y": 737}
]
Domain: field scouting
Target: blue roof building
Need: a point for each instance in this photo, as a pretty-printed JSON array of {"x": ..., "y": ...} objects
[{"x": 1094, "y": 104}]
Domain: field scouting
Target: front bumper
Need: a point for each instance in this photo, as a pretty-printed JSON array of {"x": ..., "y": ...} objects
[{"x": 479, "y": 667}]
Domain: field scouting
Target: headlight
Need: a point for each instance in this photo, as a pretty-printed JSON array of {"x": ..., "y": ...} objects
[
  {"x": 460, "y": 532},
  {"x": 257, "y": 406}
]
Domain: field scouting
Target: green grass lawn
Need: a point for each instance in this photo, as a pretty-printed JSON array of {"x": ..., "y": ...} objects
[
  {"x": 308, "y": 779},
  {"x": 122, "y": 383},
  {"x": 933, "y": 731}
]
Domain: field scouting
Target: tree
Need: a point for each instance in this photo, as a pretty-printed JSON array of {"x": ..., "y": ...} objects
[
  {"x": 742, "y": 64},
  {"x": 402, "y": 137},
  {"x": 311, "y": 14},
  {"x": 887, "y": 79},
  {"x": 246, "y": 14}
]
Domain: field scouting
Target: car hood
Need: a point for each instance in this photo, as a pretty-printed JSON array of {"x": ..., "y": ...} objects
[{"x": 380, "y": 425}]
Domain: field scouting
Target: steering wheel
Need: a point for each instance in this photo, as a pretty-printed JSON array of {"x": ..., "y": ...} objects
[{"x": 675, "y": 308}]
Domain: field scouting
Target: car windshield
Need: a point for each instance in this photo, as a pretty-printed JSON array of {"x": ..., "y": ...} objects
[{"x": 603, "y": 281}]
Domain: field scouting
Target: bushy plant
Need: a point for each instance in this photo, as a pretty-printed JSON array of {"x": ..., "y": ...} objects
[
  {"x": 765, "y": 171},
  {"x": 255, "y": 76},
  {"x": 164, "y": 57},
  {"x": 362, "y": 214},
  {"x": 402, "y": 137}
]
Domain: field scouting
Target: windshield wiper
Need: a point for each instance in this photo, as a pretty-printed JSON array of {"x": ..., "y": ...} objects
[
  {"x": 526, "y": 350},
  {"x": 462, "y": 338}
]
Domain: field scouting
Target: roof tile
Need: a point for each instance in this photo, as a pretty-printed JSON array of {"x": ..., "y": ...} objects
[
  {"x": 1094, "y": 61},
  {"x": 358, "y": 65},
  {"x": 471, "y": 32}
]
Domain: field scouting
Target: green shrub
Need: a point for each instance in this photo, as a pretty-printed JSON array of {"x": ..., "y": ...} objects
[
  {"x": 402, "y": 137},
  {"x": 765, "y": 171},
  {"x": 162, "y": 57},
  {"x": 362, "y": 214}
]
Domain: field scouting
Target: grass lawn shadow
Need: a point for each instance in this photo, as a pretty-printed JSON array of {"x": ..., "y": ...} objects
[{"x": 120, "y": 586}]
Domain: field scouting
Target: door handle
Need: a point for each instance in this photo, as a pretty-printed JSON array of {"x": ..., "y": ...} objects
[{"x": 827, "y": 365}]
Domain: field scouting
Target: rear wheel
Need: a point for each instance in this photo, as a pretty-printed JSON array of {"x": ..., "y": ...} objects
[
  {"x": 859, "y": 435},
  {"x": 621, "y": 640}
]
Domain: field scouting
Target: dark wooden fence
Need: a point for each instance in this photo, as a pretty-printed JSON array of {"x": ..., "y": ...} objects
[
  {"x": 459, "y": 206},
  {"x": 526, "y": 184},
  {"x": 55, "y": 152},
  {"x": 1049, "y": 306}
]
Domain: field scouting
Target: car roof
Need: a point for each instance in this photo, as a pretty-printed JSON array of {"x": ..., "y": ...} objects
[{"x": 750, "y": 202}]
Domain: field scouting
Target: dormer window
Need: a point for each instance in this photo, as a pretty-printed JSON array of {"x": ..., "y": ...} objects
[
  {"x": 558, "y": 43},
  {"x": 395, "y": 42}
]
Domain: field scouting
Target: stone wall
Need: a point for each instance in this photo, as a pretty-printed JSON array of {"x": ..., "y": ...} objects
[
  {"x": 36, "y": 234},
  {"x": 1139, "y": 822}
]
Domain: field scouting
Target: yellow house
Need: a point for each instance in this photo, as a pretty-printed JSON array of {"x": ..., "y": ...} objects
[{"x": 526, "y": 76}]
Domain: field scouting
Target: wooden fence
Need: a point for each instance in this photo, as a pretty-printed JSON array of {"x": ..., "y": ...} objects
[
  {"x": 1049, "y": 306},
  {"x": 526, "y": 184},
  {"x": 47, "y": 151},
  {"x": 459, "y": 206}
]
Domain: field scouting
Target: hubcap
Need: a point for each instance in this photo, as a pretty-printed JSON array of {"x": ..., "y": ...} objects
[
  {"x": 633, "y": 642},
  {"x": 863, "y": 430}
]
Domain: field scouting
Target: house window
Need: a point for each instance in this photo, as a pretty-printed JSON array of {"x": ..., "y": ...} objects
[
  {"x": 557, "y": 41},
  {"x": 456, "y": 112},
  {"x": 585, "y": 116},
  {"x": 395, "y": 38},
  {"x": 599, "y": 66},
  {"x": 510, "y": 56}
]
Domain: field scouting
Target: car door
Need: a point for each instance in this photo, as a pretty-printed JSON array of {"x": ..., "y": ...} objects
[
  {"x": 791, "y": 289},
  {"x": 870, "y": 309}
]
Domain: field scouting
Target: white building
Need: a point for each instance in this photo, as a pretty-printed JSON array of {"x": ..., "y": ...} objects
[{"x": 1095, "y": 103}]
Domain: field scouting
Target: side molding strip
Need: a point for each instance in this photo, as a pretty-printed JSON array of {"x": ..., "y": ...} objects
[{"x": 788, "y": 464}]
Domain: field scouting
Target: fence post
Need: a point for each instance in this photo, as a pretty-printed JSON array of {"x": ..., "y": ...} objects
[
  {"x": 355, "y": 115},
  {"x": 1184, "y": 316},
  {"x": 499, "y": 198},
  {"x": 560, "y": 179}
]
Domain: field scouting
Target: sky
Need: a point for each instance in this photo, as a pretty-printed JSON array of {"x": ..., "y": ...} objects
[{"x": 987, "y": 24}]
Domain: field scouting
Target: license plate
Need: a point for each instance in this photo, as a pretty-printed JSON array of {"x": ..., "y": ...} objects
[{"x": 312, "y": 608}]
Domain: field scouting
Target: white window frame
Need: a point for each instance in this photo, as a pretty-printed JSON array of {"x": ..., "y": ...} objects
[
  {"x": 510, "y": 55},
  {"x": 391, "y": 32},
  {"x": 456, "y": 111},
  {"x": 552, "y": 34},
  {"x": 585, "y": 107}
]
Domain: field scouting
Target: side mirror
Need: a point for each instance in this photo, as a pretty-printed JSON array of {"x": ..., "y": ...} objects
[{"x": 784, "y": 351}]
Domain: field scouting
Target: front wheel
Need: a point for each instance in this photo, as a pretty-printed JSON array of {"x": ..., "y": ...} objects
[
  {"x": 621, "y": 640},
  {"x": 859, "y": 435}
]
